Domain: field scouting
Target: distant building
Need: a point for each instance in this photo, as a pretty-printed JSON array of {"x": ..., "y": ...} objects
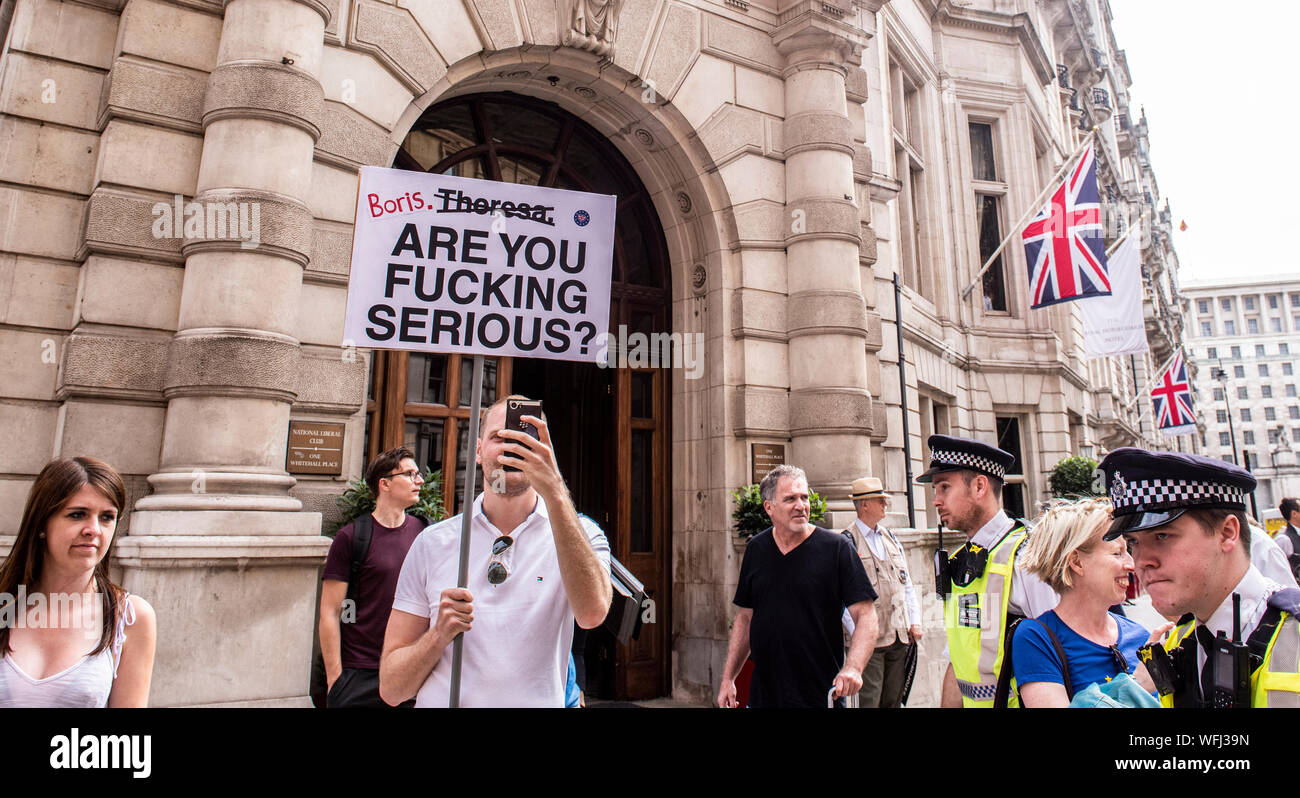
[{"x": 1245, "y": 334}]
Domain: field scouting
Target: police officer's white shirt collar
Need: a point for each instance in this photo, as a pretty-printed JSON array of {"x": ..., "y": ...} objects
[
  {"x": 993, "y": 531},
  {"x": 1030, "y": 596},
  {"x": 1254, "y": 589}
]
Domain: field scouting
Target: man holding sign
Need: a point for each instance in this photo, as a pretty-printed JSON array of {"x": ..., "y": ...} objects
[{"x": 536, "y": 566}]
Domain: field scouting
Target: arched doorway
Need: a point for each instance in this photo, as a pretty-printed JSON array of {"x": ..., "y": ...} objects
[{"x": 611, "y": 425}]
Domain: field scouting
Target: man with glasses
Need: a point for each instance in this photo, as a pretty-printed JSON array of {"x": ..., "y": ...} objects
[
  {"x": 536, "y": 566},
  {"x": 360, "y": 578}
]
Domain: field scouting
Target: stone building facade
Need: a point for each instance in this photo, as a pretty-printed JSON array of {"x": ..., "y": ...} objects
[
  {"x": 1245, "y": 334},
  {"x": 778, "y": 162}
]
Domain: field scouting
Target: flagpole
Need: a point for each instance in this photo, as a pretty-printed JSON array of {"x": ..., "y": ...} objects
[
  {"x": 1034, "y": 207},
  {"x": 1121, "y": 240},
  {"x": 1147, "y": 387}
]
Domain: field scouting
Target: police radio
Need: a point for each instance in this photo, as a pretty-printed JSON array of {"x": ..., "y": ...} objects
[
  {"x": 1230, "y": 665},
  {"x": 942, "y": 579}
]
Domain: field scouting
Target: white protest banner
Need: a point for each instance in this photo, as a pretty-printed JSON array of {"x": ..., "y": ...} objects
[
  {"x": 1113, "y": 325},
  {"x": 450, "y": 264}
]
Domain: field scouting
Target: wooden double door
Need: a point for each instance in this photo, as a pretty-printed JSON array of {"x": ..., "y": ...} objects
[{"x": 610, "y": 426}]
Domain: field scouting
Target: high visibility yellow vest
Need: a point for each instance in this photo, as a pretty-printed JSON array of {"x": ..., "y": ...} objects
[
  {"x": 976, "y": 621},
  {"x": 1276, "y": 682}
]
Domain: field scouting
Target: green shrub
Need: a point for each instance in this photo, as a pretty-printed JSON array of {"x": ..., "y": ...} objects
[
  {"x": 1075, "y": 477},
  {"x": 750, "y": 518},
  {"x": 358, "y": 500}
]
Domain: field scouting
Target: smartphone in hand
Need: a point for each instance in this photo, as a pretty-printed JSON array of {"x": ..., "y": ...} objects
[{"x": 516, "y": 409}]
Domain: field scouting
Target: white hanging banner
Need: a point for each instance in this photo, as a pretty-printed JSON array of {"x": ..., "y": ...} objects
[
  {"x": 1113, "y": 325},
  {"x": 450, "y": 264}
]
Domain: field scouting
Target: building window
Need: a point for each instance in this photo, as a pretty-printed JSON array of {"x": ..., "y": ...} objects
[
  {"x": 1274, "y": 435},
  {"x": 1245, "y": 414},
  {"x": 1226, "y": 304},
  {"x": 1295, "y": 323},
  {"x": 1224, "y": 439},
  {"x": 1243, "y": 392},
  {"x": 1284, "y": 348},
  {"x": 1212, "y": 353},
  {"x": 1236, "y": 352},
  {"x": 1266, "y": 391},
  {"x": 1294, "y": 412},
  {"x": 1286, "y": 369},
  {"x": 983, "y": 163},
  {"x": 1259, "y": 350},
  {"x": 1218, "y": 395},
  {"x": 1239, "y": 372},
  {"x": 1275, "y": 324},
  {"x": 1206, "y": 331},
  {"x": 1250, "y": 303},
  {"x": 1013, "y": 490},
  {"x": 1270, "y": 414},
  {"x": 1295, "y": 300},
  {"x": 1295, "y": 435},
  {"x": 1290, "y": 391},
  {"x": 1252, "y": 325},
  {"x": 909, "y": 165},
  {"x": 1272, "y": 301},
  {"x": 1221, "y": 416},
  {"x": 1263, "y": 369},
  {"x": 1229, "y": 327},
  {"x": 1248, "y": 438},
  {"x": 986, "y": 216},
  {"x": 1203, "y": 306}
]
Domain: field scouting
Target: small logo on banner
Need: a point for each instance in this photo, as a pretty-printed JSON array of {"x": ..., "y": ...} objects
[
  {"x": 581, "y": 218},
  {"x": 968, "y": 607}
]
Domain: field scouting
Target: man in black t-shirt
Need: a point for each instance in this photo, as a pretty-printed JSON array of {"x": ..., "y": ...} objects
[{"x": 795, "y": 581}]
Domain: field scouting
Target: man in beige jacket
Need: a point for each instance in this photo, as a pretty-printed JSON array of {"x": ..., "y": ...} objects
[{"x": 898, "y": 608}]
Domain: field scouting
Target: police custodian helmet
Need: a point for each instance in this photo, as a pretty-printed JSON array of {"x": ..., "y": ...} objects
[
  {"x": 950, "y": 453},
  {"x": 1151, "y": 489}
]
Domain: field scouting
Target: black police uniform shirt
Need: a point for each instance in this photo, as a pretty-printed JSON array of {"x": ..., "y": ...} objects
[{"x": 798, "y": 599}]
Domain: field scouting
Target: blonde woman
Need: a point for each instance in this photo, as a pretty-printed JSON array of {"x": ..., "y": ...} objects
[{"x": 1067, "y": 552}]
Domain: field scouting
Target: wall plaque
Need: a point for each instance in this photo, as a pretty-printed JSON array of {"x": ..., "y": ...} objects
[
  {"x": 315, "y": 447},
  {"x": 764, "y": 457}
]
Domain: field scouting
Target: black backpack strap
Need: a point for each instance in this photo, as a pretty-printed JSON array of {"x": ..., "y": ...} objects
[
  {"x": 1065, "y": 663},
  {"x": 362, "y": 528},
  {"x": 1003, "y": 691}
]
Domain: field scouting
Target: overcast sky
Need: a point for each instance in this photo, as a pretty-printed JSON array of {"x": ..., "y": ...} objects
[{"x": 1219, "y": 82}]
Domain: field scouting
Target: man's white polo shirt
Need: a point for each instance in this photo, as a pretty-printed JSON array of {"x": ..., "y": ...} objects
[{"x": 517, "y": 651}]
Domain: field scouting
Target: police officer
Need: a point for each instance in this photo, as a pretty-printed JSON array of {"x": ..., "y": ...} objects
[
  {"x": 986, "y": 592},
  {"x": 1184, "y": 519}
]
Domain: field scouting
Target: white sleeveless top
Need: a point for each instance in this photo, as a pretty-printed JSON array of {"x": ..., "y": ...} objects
[{"x": 85, "y": 684}]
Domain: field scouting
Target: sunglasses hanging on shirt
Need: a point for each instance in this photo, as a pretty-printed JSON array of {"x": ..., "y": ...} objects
[{"x": 499, "y": 565}]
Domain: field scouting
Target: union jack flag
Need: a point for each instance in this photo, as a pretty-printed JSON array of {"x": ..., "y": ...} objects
[
  {"x": 1063, "y": 243},
  {"x": 1171, "y": 398}
]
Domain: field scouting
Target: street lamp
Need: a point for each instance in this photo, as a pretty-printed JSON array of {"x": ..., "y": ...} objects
[{"x": 1220, "y": 374}]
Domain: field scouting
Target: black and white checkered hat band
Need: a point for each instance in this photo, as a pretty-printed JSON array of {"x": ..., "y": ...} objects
[
  {"x": 1154, "y": 494},
  {"x": 968, "y": 460}
]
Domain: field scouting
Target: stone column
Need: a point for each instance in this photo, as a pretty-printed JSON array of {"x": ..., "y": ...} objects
[
  {"x": 830, "y": 406},
  {"x": 220, "y": 547}
]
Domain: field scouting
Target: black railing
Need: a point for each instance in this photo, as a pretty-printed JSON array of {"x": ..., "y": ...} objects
[
  {"x": 1063, "y": 76},
  {"x": 1124, "y": 123},
  {"x": 1101, "y": 98},
  {"x": 1074, "y": 99}
]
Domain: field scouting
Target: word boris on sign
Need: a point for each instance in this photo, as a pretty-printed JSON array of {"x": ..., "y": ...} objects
[{"x": 449, "y": 264}]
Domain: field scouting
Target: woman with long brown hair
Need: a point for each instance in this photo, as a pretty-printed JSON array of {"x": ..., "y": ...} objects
[{"x": 63, "y": 624}]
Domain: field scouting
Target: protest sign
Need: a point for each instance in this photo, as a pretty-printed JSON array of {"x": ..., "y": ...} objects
[{"x": 450, "y": 264}]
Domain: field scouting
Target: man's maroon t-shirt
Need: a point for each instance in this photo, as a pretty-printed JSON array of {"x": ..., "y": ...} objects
[{"x": 362, "y": 641}]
